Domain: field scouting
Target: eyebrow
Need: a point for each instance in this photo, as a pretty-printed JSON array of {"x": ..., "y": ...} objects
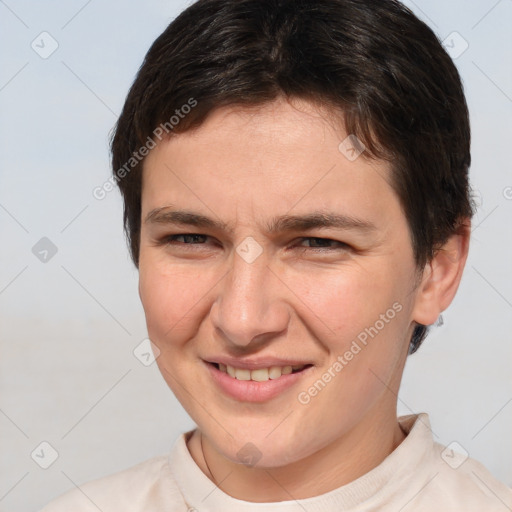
[{"x": 284, "y": 223}]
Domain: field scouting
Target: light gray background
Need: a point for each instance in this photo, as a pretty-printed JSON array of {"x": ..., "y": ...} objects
[{"x": 69, "y": 326}]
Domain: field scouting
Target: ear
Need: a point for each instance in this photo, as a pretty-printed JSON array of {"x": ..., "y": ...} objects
[{"x": 441, "y": 276}]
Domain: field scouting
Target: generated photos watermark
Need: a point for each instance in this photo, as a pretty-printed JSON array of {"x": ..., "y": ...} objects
[
  {"x": 162, "y": 129},
  {"x": 357, "y": 345}
]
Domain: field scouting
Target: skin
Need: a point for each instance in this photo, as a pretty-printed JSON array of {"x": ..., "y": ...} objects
[{"x": 245, "y": 166}]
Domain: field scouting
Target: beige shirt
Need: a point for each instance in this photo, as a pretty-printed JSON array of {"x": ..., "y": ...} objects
[{"x": 418, "y": 476}]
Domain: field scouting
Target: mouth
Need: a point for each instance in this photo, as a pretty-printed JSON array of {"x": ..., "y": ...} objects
[
  {"x": 259, "y": 374},
  {"x": 256, "y": 384}
]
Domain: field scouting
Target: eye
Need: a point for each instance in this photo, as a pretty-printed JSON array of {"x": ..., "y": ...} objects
[
  {"x": 187, "y": 239},
  {"x": 323, "y": 244},
  {"x": 316, "y": 244}
]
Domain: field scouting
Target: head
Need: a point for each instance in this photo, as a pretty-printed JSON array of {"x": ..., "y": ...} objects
[{"x": 271, "y": 119}]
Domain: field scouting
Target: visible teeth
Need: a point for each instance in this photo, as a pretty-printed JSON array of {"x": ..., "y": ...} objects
[
  {"x": 274, "y": 372},
  {"x": 259, "y": 375},
  {"x": 242, "y": 374}
]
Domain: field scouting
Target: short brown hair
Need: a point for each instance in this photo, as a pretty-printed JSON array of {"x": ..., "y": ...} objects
[{"x": 372, "y": 60}]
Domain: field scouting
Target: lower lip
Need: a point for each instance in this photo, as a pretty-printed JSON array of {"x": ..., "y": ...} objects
[{"x": 253, "y": 391}]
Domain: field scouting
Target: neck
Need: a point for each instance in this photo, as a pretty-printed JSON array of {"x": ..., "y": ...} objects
[{"x": 337, "y": 464}]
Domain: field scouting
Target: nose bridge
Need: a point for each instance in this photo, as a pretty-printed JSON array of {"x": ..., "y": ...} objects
[{"x": 247, "y": 305}]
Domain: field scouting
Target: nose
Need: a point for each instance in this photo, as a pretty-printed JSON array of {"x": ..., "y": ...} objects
[{"x": 250, "y": 304}]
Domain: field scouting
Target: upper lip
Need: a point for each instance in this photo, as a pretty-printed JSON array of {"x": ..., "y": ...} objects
[{"x": 255, "y": 363}]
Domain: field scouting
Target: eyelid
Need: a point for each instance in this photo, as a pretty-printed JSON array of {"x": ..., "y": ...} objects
[
  {"x": 339, "y": 242},
  {"x": 168, "y": 239}
]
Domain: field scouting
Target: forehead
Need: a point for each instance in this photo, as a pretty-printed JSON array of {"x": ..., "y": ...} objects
[{"x": 279, "y": 158}]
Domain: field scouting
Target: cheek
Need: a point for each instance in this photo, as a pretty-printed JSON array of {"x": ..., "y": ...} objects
[
  {"x": 361, "y": 317},
  {"x": 346, "y": 300},
  {"x": 172, "y": 299}
]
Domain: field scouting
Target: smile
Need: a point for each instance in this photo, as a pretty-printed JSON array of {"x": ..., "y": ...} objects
[
  {"x": 256, "y": 384},
  {"x": 261, "y": 374}
]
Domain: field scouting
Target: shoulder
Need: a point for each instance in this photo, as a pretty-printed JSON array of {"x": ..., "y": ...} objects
[
  {"x": 145, "y": 486},
  {"x": 462, "y": 483},
  {"x": 434, "y": 476}
]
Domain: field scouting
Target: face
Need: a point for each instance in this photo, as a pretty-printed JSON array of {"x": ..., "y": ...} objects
[{"x": 265, "y": 246}]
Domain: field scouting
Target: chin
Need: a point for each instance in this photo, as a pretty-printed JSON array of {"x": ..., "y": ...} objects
[{"x": 260, "y": 444}]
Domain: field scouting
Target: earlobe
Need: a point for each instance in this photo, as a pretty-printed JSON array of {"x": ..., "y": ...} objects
[{"x": 442, "y": 276}]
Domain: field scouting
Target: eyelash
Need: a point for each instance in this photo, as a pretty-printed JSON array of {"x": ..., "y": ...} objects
[{"x": 168, "y": 240}]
